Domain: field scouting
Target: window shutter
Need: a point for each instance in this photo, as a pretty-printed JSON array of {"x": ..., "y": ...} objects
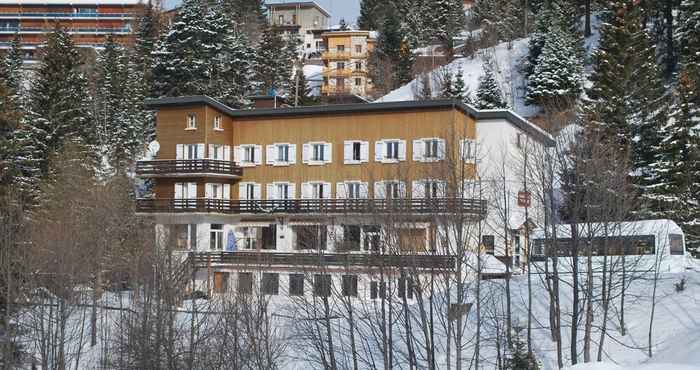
[
  {"x": 178, "y": 191},
  {"x": 347, "y": 152},
  {"x": 306, "y": 153},
  {"x": 211, "y": 152},
  {"x": 328, "y": 152},
  {"x": 340, "y": 190},
  {"x": 258, "y": 154},
  {"x": 227, "y": 153},
  {"x": 364, "y": 151},
  {"x": 270, "y": 157},
  {"x": 200, "y": 151},
  {"x": 227, "y": 191},
  {"x": 402, "y": 150},
  {"x": 379, "y": 190},
  {"x": 271, "y": 193},
  {"x": 179, "y": 151},
  {"x": 192, "y": 190},
  {"x": 418, "y": 150},
  {"x": 237, "y": 154},
  {"x": 327, "y": 190},
  {"x": 418, "y": 189},
  {"x": 442, "y": 189},
  {"x": 293, "y": 191},
  {"x": 292, "y": 153},
  {"x": 242, "y": 194},
  {"x": 379, "y": 151},
  {"x": 306, "y": 190},
  {"x": 364, "y": 191},
  {"x": 441, "y": 149},
  {"x": 208, "y": 193},
  {"x": 402, "y": 189}
]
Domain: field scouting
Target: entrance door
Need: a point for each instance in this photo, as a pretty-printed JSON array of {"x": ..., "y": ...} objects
[{"x": 221, "y": 282}]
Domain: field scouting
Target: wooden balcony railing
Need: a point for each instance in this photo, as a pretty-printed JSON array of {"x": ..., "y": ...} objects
[
  {"x": 334, "y": 54},
  {"x": 164, "y": 168},
  {"x": 335, "y": 90},
  {"x": 315, "y": 206},
  {"x": 418, "y": 261}
]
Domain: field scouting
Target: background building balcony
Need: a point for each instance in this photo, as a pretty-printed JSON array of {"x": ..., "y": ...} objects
[
  {"x": 335, "y": 55},
  {"x": 58, "y": 15},
  {"x": 362, "y": 260},
  {"x": 336, "y": 72},
  {"x": 403, "y": 206},
  {"x": 334, "y": 90},
  {"x": 188, "y": 167}
]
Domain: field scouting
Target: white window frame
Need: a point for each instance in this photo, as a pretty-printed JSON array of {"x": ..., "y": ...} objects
[
  {"x": 272, "y": 192},
  {"x": 349, "y": 152},
  {"x": 219, "y": 152},
  {"x": 249, "y": 237},
  {"x": 351, "y": 190},
  {"x": 467, "y": 150},
  {"x": 380, "y": 189},
  {"x": 311, "y": 189},
  {"x": 428, "y": 189},
  {"x": 272, "y": 154},
  {"x": 218, "y": 123},
  {"x": 243, "y": 189},
  {"x": 423, "y": 149},
  {"x": 219, "y": 238},
  {"x": 381, "y": 150},
  {"x": 239, "y": 154},
  {"x": 308, "y": 152},
  {"x": 191, "y": 121},
  {"x": 189, "y": 151},
  {"x": 214, "y": 190}
]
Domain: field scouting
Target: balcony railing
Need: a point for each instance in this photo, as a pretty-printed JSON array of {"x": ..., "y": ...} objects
[
  {"x": 431, "y": 206},
  {"x": 334, "y": 54},
  {"x": 334, "y": 90},
  {"x": 370, "y": 260},
  {"x": 337, "y": 72},
  {"x": 65, "y": 15},
  {"x": 165, "y": 168},
  {"x": 70, "y": 30}
]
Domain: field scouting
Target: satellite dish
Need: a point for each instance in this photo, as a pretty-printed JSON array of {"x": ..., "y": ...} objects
[{"x": 154, "y": 147}]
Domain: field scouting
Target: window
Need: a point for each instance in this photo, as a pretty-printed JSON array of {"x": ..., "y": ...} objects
[
  {"x": 358, "y": 48},
  {"x": 308, "y": 45},
  {"x": 221, "y": 282},
  {"x": 86, "y": 10},
  {"x": 325, "y": 81},
  {"x": 317, "y": 153},
  {"x": 270, "y": 283},
  {"x": 358, "y": 81},
  {"x": 216, "y": 237},
  {"x": 281, "y": 154},
  {"x": 280, "y": 190},
  {"x": 372, "y": 239},
  {"x": 676, "y": 243},
  {"x": 405, "y": 288},
  {"x": 249, "y": 154},
  {"x": 390, "y": 151},
  {"x": 322, "y": 285},
  {"x": 250, "y": 238},
  {"x": 191, "y": 122},
  {"x": 249, "y": 191},
  {"x": 189, "y": 151},
  {"x": 280, "y": 19},
  {"x": 269, "y": 237},
  {"x": 428, "y": 150},
  {"x": 340, "y": 48},
  {"x": 217, "y": 191},
  {"x": 184, "y": 191},
  {"x": 219, "y": 152},
  {"x": 467, "y": 150},
  {"x": 310, "y": 237},
  {"x": 340, "y": 66},
  {"x": 358, "y": 66},
  {"x": 296, "y": 284},
  {"x": 377, "y": 290},
  {"x": 320, "y": 191},
  {"x": 350, "y": 285},
  {"x": 351, "y": 238},
  {"x": 355, "y": 151},
  {"x": 283, "y": 191},
  {"x": 432, "y": 148},
  {"x": 393, "y": 189},
  {"x": 245, "y": 282},
  {"x": 488, "y": 242},
  {"x": 353, "y": 190},
  {"x": 433, "y": 189},
  {"x": 185, "y": 236}
]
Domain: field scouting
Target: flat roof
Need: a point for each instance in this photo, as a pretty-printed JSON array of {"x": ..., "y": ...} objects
[
  {"x": 301, "y": 4},
  {"x": 316, "y": 110}
]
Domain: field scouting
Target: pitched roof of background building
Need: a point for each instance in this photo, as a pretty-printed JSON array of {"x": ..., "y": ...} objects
[{"x": 503, "y": 114}]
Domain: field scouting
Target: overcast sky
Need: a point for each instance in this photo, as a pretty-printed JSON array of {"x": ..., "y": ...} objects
[{"x": 348, "y": 9}]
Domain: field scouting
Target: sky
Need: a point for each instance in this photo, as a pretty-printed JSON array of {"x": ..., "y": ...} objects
[{"x": 348, "y": 9}]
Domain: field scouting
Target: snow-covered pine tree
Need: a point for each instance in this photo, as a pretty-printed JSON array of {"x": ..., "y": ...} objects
[
  {"x": 688, "y": 34},
  {"x": 489, "y": 95},
  {"x": 558, "y": 75},
  {"x": 423, "y": 89},
  {"x": 145, "y": 39},
  {"x": 302, "y": 92},
  {"x": 501, "y": 19},
  {"x": 57, "y": 110},
  {"x": 248, "y": 16},
  {"x": 10, "y": 117},
  {"x": 238, "y": 70},
  {"x": 544, "y": 20},
  {"x": 368, "y": 19},
  {"x": 274, "y": 65},
  {"x": 675, "y": 192},
  {"x": 12, "y": 68},
  {"x": 180, "y": 65},
  {"x": 445, "y": 20}
]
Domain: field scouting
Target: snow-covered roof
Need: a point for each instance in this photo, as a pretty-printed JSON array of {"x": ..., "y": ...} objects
[
  {"x": 301, "y": 4},
  {"x": 72, "y": 2},
  {"x": 646, "y": 227}
]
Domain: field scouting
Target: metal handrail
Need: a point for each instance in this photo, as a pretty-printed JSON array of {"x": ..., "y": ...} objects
[{"x": 189, "y": 166}]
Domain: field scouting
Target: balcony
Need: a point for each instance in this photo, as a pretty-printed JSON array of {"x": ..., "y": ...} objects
[
  {"x": 370, "y": 260},
  {"x": 337, "y": 72},
  {"x": 79, "y": 30},
  {"x": 57, "y": 15},
  {"x": 188, "y": 168},
  {"x": 334, "y": 90},
  {"x": 335, "y": 55},
  {"x": 413, "y": 207}
]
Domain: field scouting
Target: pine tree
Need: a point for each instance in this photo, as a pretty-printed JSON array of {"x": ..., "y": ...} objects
[
  {"x": 689, "y": 38},
  {"x": 558, "y": 74},
  {"x": 500, "y": 18},
  {"x": 369, "y": 15},
  {"x": 238, "y": 71},
  {"x": 275, "y": 62},
  {"x": 248, "y": 16},
  {"x": 423, "y": 87},
  {"x": 146, "y": 38},
  {"x": 489, "y": 95},
  {"x": 445, "y": 20},
  {"x": 10, "y": 117},
  {"x": 12, "y": 67},
  {"x": 180, "y": 65},
  {"x": 520, "y": 359},
  {"x": 302, "y": 95},
  {"x": 57, "y": 111}
]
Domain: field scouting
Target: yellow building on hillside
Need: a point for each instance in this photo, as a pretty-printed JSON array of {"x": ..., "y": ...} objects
[{"x": 345, "y": 62}]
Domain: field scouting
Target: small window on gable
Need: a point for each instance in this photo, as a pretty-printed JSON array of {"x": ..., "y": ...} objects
[
  {"x": 191, "y": 121},
  {"x": 358, "y": 48},
  {"x": 217, "y": 123}
]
